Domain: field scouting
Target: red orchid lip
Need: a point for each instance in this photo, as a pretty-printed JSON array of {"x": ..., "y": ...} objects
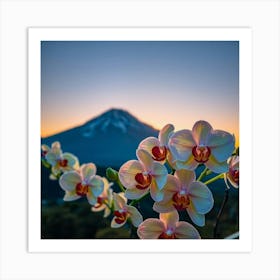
[
  {"x": 159, "y": 153},
  {"x": 201, "y": 153},
  {"x": 143, "y": 181}
]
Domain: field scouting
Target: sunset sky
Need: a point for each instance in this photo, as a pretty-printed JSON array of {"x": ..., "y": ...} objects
[{"x": 159, "y": 82}]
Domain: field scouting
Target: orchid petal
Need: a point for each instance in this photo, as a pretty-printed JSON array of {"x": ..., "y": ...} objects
[
  {"x": 158, "y": 169},
  {"x": 156, "y": 193},
  {"x": 201, "y": 131},
  {"x": 221, "y": 144},
  {"x": 96, "y": 185},
  {"x": 150, "y": 229},
  {"x": 52, "y": 158},
  {"x": 181, "y": 144},
  {"x": 56, "y": 145},
  {"x": 164, "y": 206},
  {"x": 198, "y": 219},
  {"x": 119, "y": 200},
  {"x": 185, "y": 230},
  {"x": 148, "y": 144},
  {"x": 169, "y": 219},
  {"x": 201, "y": 197},
  {"x": 128, "y": 171},
  {"x": 136, "y": 217},
  {"x": 72, "y": 160},
  {"x": 69, "y": 180},
  {"x": 135, "y": 193},
  {"x": 88, "y": 170},
  {"x": 185, "y": 177},
  {"x": 107, "y": 212},
  {"x": 215, "y": 166},
  {"x": 116, "y": 225},
  {"x": 165, "y": 133},
  {"x": 189, "y": 164},
  {"x": 92, "y": 199},
  {"x": 97, "y": 207},
  {"x": 70, "y": 196},
  {"x": 145, "y": 158}
]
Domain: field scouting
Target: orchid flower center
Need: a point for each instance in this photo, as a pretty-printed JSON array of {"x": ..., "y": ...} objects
[
  {"x": 159, "y": 153},
  {"x": 143, "y": 180},
  {"x": 168, "y": 234},
  {"x": 234, "y": 175},
  {"x": 100, "y": 201},
  {"x": 201, "y": 153},
  {"x": 181, "y": 200},
  {"x": 121, "y": 216},
  {"x": 62, "y": 162},
  {"x": 81, "y": 189}
]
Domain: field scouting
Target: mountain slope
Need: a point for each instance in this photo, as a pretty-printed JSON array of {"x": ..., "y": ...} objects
[{"x": 107, "y": 140}]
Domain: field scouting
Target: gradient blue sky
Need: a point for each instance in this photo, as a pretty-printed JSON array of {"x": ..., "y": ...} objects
[{"x": 159, "y": 82}]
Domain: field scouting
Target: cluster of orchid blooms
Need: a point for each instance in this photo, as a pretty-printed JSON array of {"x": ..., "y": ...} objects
[{"x": 164, "y": 169}]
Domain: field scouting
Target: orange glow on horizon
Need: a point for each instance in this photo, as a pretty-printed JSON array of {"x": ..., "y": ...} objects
[{"x": 55, "y": 126}]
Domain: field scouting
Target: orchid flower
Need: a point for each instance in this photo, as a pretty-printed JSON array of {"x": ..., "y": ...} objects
[
  {"x": 167, "y": 227},
  {"x": 158, "y": 147},
  {"x": 123, "y": 212},
  {"x": 59, "y": 161},
  {"x": 183, "y": 193},
  {"x": 233, "y": 171},
  {"x": 82, "y": 182},
  {"x": 143, "y": 175},
  {"x": 105, "y": 199},
  {"x": 201, "y": 145}
]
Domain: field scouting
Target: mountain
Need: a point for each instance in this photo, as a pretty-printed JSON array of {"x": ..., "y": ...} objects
[{"x": 110, "y": 139}]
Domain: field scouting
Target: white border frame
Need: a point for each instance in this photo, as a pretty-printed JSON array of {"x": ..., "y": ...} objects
[{"x": 243, "y": 35}]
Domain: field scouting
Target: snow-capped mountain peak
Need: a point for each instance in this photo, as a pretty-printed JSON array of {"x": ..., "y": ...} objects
[{"x": 112, "y": 119}]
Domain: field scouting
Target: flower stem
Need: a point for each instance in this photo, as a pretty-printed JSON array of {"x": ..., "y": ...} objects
[
  {"x": 220, "y": 176},
  {"x": 202, "y": 174},
  {"x": 220, "y": 212},
  {"x": 120, "y": 185}
]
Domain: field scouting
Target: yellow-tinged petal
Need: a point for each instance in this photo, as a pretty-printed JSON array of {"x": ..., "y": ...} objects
[
  {"x": 198, "y": 219},
  {"x": 119, "y": 200},
  {"x": 159, "y": 172},
  {"x": 70, "y": 196},
  {"x": 156, "y": 193},
  {"x": 215, "y": 166},
  {"x": 186, "y": 177},
  {"x": 164, "y": 206},
  {"x": 128, "y": 171},
  {"x": 69, "y": 180},
  {"x": 189, "y": 164},
  {"x": 169, "y": 219},
  {"x": 150, "y": 229}
]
